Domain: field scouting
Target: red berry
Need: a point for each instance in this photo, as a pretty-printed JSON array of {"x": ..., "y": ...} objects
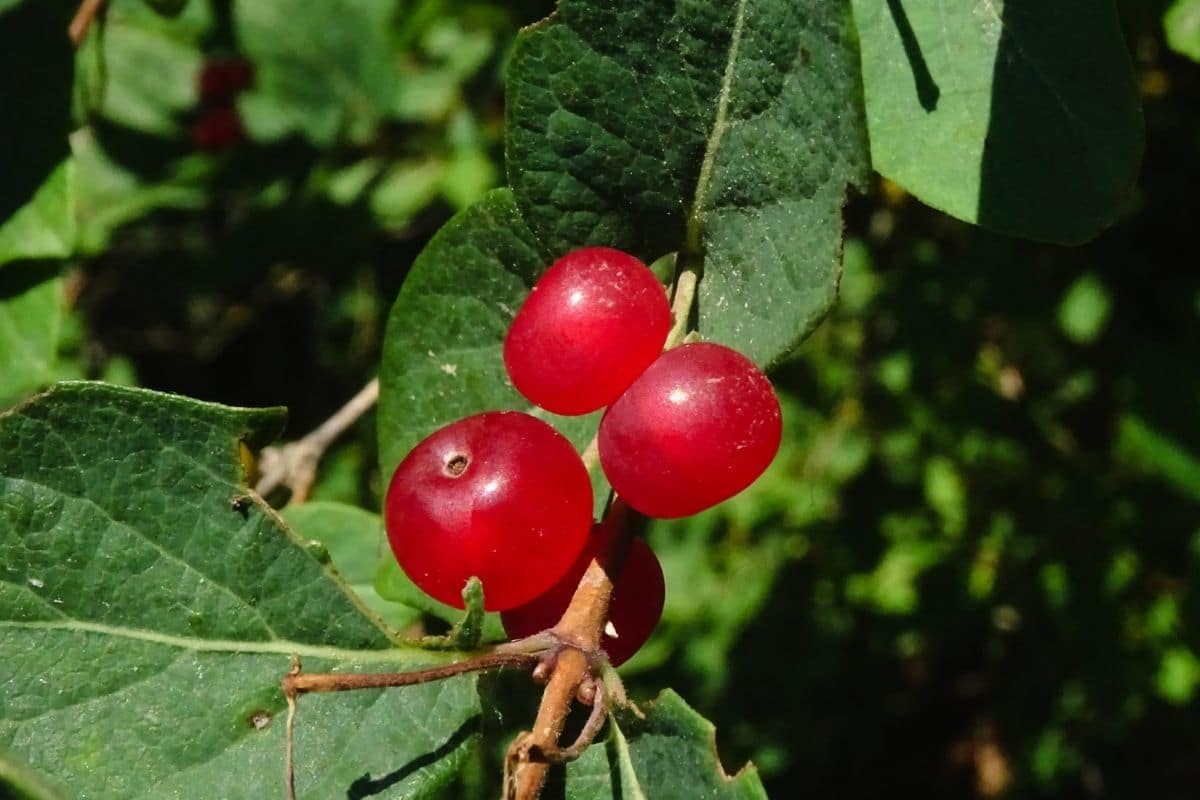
[
  {"x": 502, "y": 496},
  {"x": 221, "y": 79},
  {"x": 217, "y": 129},
  {"x": 636, "y": 606},
  {"x": 696, "y": 428},
  {"x": 593, "y": 322}
]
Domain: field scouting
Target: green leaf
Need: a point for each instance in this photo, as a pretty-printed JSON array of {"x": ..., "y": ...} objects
[
  {"x": 321, "y": 69},
  {"x": 1085, "y": 309},
  {"x": 392, "y": 584},
  {"x": 468, "y": 631},
  {"x": 45, "y": 226},
  {"x": 672, "y": 753},
  {"x": 354, "y": 541},
  {"x": 18, "y": 782},
  {"x": 1153, "y": 452},
  {"x": 1022, "y": 117},
  {"x": 142, "y": 72},
  {"x": 168, "y": 8},
  {"x": 443, "y": 350},
  {"x": 1181, "y": 24},
  {"x": 31, "y": 318},
  {"x": 107, "y": 195},
  {"x": 149, "y": 606},
  {"x": 727, "y": 131},
  {"x": 1178, "y": 675},
  {"x": 35, "y": 92}
]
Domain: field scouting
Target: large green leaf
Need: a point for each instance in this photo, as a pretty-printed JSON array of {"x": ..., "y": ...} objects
[
  {"x": 1020, "y": 116},
  {"x": 322, "y": 69},
  {"x": 31, "y": 318},
  {"x": 442, "y": 354},
  {"x": 669, "y": 755},
  {"x": 35, "y": 93},
  {"x": 728, "y": 131},
  {"x": 148, "y": 609}
]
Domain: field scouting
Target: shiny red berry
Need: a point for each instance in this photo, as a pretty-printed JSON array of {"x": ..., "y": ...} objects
[
  {"x": 696, "y": 428},
  {"x": 502, "y": 496},
  {"x": 593, "y": 322},
  {"x": 636, "y": 606}
]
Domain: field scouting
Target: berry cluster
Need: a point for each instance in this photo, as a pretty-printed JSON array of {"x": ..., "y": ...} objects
[
  {"x": 503, "y": 496},
  {"x": 220, "y": 82}
]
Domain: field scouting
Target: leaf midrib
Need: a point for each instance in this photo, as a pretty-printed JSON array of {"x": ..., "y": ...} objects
[
  {"x": 284, "y": 647},
  {"x": 695, "y": 223}
]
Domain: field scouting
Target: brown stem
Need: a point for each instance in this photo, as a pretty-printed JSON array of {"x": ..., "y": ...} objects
[
  {"x": 303, "y": 683},
  {"x": 681, "y": 307},
  {"x": 295, "y": 464},
  {"x": 580, "y": 630},
  {"x": 87, "y": 11},
  {"x": 296, "y": 683}
]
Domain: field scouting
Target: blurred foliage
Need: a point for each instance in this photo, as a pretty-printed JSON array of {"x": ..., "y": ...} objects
[{"x": 972, "y": 569}]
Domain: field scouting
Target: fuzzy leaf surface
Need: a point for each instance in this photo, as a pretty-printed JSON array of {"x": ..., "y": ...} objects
[
  {"x": 669, "y": 755},
  {"x": 727, "y": 131},
  {"x": 149, "y": 607},
  {"x": 1020, "y": 116},
  {"x": 18, "y": 782}
]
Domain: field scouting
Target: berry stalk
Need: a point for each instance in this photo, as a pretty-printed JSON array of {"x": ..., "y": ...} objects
[{"x": 581, "y": 626}]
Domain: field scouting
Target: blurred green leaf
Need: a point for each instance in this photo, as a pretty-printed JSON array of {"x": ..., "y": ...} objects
[
  {"x": 946, "y": 493},
  {"x": 168, "y": 8},
  {"x": 467, "y": 176},
  {"x": 1178, "y": 675},
  {"x": 1181, "y": 23},
  {"x": 1141, "y": 446},
  {"x": 31, "y": 318},
  {"x": 45, "y": 226},
  {"x": 1023, "y": 118},
  {"x": 728, "y": 132},
  {"x": 1085, "y": 309},
  {"x": 322, "y": 70},
  {"x": 108, "y": 195},
  {"x": 392, "y": 584},
  {"x": 406, "y": 188},
  {"x": 356, "y": 545},
  {"x": 143, "y": 72},
  {"x": 425, "y": 95}
]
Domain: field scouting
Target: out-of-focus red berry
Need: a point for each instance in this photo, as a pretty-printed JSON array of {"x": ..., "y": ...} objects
[
  {"x": 217, "y": 129},
  {"x": 222, "y": 79}
]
